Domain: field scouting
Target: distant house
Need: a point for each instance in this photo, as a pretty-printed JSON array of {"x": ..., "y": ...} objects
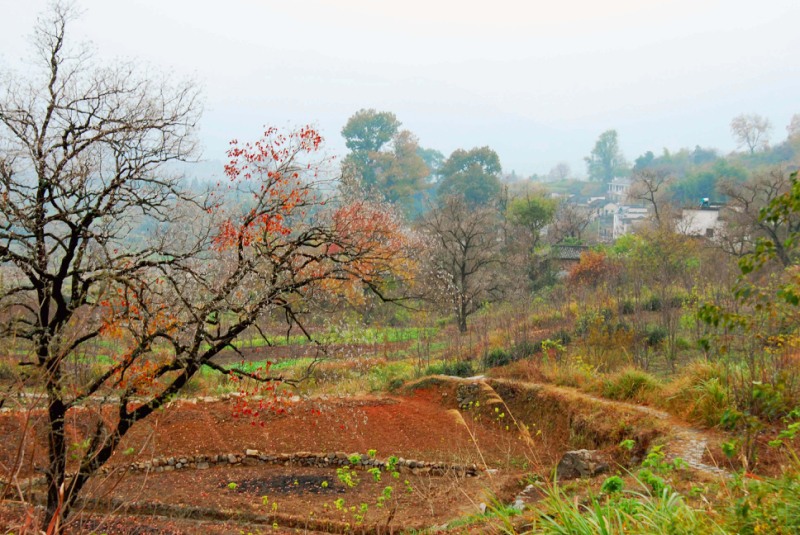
[
  {"x": 626, "y": 217},
  {"x": 610, "y": 208},
  {"x": 618, "y": 188},
  {"x": 566, "y": 256},
  {"x": 703, "y": 220}
]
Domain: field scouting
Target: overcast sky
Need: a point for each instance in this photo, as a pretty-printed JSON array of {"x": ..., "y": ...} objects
[{"x": 537, "y": 81}]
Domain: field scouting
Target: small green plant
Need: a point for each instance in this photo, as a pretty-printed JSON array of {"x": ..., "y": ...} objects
[
  {"x": 730, "y": 448},
  {"x": 347, "y": 476},
  {"x": 376, "y": 473},
  {"x": 612, "y": 485},
  {"x": 385, "y": 496}
]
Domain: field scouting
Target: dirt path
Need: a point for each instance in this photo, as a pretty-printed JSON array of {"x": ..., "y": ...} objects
[{"x": 684, "y": 441}]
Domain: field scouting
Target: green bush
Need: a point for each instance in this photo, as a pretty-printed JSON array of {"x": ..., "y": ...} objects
[
  {"x": 563, "y": 336},
  {"x": 769, "y": 402},
  {"x": 653, "y": 304},
  {"x": 626, "y": 307},
  {"x": 655, "y": 335},
  {"x": 768, "y": 506},
  {"x": 526, "y": 349},
  {"x": 459, "y": 368},
  {"x": 497, "y": 357},
  {"x": 612, "y": 484}
]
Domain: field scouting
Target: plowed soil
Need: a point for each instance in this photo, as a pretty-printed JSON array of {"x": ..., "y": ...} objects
[{"x": 419, "y": 426}]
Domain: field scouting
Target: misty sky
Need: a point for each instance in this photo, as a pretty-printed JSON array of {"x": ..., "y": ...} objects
[{"x": 537, "y": 81}]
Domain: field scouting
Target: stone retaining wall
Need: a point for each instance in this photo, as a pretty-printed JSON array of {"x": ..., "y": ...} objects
[
  {"x": 255, "y": 457},
  {"x": 320, "y": 460}
]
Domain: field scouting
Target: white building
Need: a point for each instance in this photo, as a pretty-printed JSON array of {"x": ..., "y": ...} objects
[
  {"x": 618, "y": 188},
  {"x": 702, "y": 221},
  {"x": 625, "y": 218}
]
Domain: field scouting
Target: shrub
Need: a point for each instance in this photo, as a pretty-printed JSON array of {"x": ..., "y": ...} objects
[
  {"x": 563, "y": 336},
  {"x": 612, "y": 484},
  {"x": 653, "y": 304},
  {"x": 525, "y": 349},
  {"x": 626, "y": 307},
  {"x": 458, "y": 368},
  {"x": 654, "y": 335},
  {"x": 768, "y": 402},
  {"x": 683, "y": 344},
  {"x": 7, "y": 372},
  {"x": 677, "y": 301},
  {"x": 395, "y": 384},
  {"x": 496, "y": 357},
  {"x": 768, "y": 506}
]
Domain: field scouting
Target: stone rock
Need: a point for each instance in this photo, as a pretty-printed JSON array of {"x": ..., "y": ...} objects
[
  {"x": 467, "y": 395},
  {"x": 581, "y": 464},
  {"x": 251, "y": 453}
]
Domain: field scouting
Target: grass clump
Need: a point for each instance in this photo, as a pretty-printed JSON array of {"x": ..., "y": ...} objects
[
  {"x": 630, "y": 384},
  {"x": 625, "y": 511}
]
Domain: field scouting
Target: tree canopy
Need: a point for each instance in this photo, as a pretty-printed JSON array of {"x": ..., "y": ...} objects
[
  {"x": 473, "y": 174},
  {"x": 606, "y": 160},
  {"x": 369, "y": 130}
]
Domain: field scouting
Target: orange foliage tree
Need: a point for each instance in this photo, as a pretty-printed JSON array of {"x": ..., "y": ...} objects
[
  {"x": 268, "y": 242},
  {"x": 98, "y": 243}
]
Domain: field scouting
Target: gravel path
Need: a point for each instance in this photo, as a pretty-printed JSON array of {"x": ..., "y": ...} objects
[{"x": 684, "y": 441}]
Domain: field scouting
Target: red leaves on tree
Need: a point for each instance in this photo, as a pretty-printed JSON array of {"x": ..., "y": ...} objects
[{"x": 275, "y": 175}]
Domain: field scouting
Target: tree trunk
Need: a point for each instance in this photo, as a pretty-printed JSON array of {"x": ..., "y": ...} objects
[
  {"x": 56, "y": 411},
  {"x": 462, "y": 318}
]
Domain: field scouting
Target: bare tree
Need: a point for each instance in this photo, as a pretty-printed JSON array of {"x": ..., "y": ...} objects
[
  {"x": 561, "y": 171},
  {"x": 650, "y": 187},
  {"x": 744, "y": 225},
  {"x": 465, "y": 244},
  {"x": 570, "y": 221},
  {"x": 99, "y": 243},
  {"x": 793, "y": 128},
  {"x": 751, "y": 130}
]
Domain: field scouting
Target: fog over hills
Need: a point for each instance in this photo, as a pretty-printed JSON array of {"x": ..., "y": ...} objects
[{"x": 538, "y": 84}]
